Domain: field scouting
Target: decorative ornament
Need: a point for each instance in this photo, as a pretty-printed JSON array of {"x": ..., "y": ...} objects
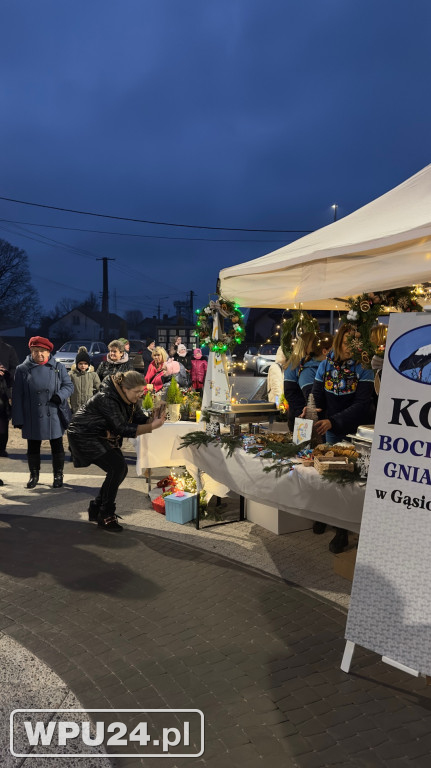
[
  {"x": 300, "y": 322},
  {"x": 232, "y": 335},
  {"x": 362, "y": 317}
]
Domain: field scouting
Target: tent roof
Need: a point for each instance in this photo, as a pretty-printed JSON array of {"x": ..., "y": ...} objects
[{"x": 386, "y": 244}]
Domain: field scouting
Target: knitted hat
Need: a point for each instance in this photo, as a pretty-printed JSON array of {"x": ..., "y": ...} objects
[
  {"x": 39, "y": 341},
  {"x": 172, "y": 367},
  {"x": 149, "y": 341},
  {"x": 182, "y": 350},
  {"x": 197, "y": 353},
  {"x": 124, "y": 341},
  {"x": 82, "y": 356}
]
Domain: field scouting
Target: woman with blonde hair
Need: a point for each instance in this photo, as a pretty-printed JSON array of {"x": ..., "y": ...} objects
[
  {"x": 96, "y": 433},
  {"x": 157, "y": 374},
  {"x": 299, "y": 380}
]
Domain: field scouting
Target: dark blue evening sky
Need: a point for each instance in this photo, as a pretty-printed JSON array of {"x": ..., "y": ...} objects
[{"x": 235, "y": 113}]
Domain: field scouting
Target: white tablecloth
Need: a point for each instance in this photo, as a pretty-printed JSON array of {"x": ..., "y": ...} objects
[
  {"x": 301, "y": 492},
  {"x": 156, "y": 448}
]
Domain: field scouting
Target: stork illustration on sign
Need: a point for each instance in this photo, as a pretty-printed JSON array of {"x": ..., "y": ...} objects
[{"x": 410, "y": 355}]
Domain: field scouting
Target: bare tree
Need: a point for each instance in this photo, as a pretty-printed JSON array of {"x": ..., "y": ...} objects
[{"x": 19, "y": 300}]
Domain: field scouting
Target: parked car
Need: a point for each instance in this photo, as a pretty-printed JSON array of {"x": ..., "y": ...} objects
[
  {"x": 67, "y": 353},
  {"x": 135, "y": 354},
  {"x": 258, "y": 359}
]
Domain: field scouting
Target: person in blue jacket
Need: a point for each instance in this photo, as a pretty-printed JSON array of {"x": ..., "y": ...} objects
[
  {"x": 41, "y": 385},
  {"x": 343, "y": 392},
  {"x": 299, "y": 377}
]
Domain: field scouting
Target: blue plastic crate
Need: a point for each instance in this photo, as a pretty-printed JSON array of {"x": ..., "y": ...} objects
[{"x": 180, "y": 509}]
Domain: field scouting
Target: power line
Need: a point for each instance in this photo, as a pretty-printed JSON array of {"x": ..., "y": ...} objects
[
  {"x": 147, "y": 221},
  {"x": 147, "y": 237}
]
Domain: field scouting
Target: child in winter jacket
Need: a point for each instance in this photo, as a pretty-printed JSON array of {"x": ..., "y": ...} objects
[
  {"x": 84, "y": 378},
  {"x": 198, "y": 370}
]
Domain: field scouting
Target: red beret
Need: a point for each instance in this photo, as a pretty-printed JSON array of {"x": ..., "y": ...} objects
[{"x": 39, "y": 341}]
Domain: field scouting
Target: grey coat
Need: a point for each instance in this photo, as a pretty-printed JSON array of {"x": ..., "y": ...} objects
[{"x": 33, "y": 388}]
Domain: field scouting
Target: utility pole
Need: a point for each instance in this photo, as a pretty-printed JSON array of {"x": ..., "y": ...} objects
[
  {"x": 192, "y": 293},
  {"x": 105, "y": 298},
  {"x": 158, "y": 305}
]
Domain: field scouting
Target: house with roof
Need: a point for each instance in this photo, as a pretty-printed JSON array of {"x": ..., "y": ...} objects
[{"x": 82, "y": 324}]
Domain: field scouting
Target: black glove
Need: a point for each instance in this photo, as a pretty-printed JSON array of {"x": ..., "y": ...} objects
[{"x": 56, "y": 399}]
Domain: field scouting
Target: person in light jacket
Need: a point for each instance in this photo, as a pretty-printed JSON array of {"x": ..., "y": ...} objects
[
  {"x": 41, "y": 385},
  {"x": 275, "y": 382}
]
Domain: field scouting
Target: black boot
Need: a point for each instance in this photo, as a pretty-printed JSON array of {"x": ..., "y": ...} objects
[
  {"x": 319, "y": 527},
  {"x": 34, "y": 467},
  {"x": 93, "y": 511},
  {"x": 108, "y": 520},
  {"x": 58, "y": 466},
  {"x": 339, "y": 542}
]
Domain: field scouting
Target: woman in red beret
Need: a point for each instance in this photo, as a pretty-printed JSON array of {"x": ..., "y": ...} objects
[{"x": 41, "y": 385}]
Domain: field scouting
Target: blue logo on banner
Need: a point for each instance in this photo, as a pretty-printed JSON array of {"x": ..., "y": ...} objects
[{"x": 410, "y": 354}]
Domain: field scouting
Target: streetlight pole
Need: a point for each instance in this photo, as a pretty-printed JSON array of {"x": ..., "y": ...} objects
[{"x": 331, "y": 314}]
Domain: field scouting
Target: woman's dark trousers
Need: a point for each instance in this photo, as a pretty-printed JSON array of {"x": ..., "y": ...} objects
[
  {"x": 113, "y": 463},
  {"x": 33, "y": 458}
]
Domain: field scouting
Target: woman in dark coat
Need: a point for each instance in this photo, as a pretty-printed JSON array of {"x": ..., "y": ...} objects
[
  {"x": 96, "y": 432},
  {"x": 116, "y": 362},
  {"x": 41, "y": 385}
]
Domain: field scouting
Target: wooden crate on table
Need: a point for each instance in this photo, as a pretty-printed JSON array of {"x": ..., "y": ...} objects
[{"x": 331, "y": 463}]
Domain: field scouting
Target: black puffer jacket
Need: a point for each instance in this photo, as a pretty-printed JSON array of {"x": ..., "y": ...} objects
[
  {"x": 103, "y": 413},
  {"x": 108, "y": 368}
]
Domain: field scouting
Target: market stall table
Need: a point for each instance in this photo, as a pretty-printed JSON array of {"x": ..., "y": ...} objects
[
  {"x": 156, "y": 449},
  {"x": 274, "y": 502}
]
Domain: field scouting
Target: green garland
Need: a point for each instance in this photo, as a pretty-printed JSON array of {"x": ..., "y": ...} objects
[
  {"x": 362, "y": 317},
  {"x": 341, "y": 477},
  {"x": 229, "y": 337},
  {"x": 300, "y": 320}
]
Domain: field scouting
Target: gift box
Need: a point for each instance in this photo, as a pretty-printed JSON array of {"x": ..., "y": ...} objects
[
  {"x": 159, "y": 505},
  {"x": 213, "y": 428},
  {"x": 180, "y": 509}
]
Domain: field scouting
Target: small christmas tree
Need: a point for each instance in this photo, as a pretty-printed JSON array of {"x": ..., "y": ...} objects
[
  {"x": 173, "y": 395},
  {"x": 147, "y": 402}
]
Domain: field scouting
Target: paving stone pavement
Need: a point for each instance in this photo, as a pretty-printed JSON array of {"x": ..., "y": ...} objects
[{"x": 134, "y": 620}]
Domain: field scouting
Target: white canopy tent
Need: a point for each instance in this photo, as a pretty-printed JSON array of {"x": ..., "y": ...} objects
[{"x": 386, "y": 244}]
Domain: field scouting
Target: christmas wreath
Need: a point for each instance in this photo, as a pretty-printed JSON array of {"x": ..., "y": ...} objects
[
  {"x": 362, "y": 317},
  {"x": 230, "y": 336},
  {"x": 300, "y": 322}
]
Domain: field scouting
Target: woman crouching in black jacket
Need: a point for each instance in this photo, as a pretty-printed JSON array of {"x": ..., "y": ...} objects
[{"x": 96, "y": 432}]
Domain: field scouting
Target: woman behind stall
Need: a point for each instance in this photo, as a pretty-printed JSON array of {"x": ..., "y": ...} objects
[
  {"x": 343, "y": 391},
  {"x": 298, "y": 382},
  {"x": 96, "y": 432}
]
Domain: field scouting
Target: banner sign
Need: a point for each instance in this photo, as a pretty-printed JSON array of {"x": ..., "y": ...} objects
[
  {"x": 216, "y": 387},
  {"x": 390, "y": 609}
]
